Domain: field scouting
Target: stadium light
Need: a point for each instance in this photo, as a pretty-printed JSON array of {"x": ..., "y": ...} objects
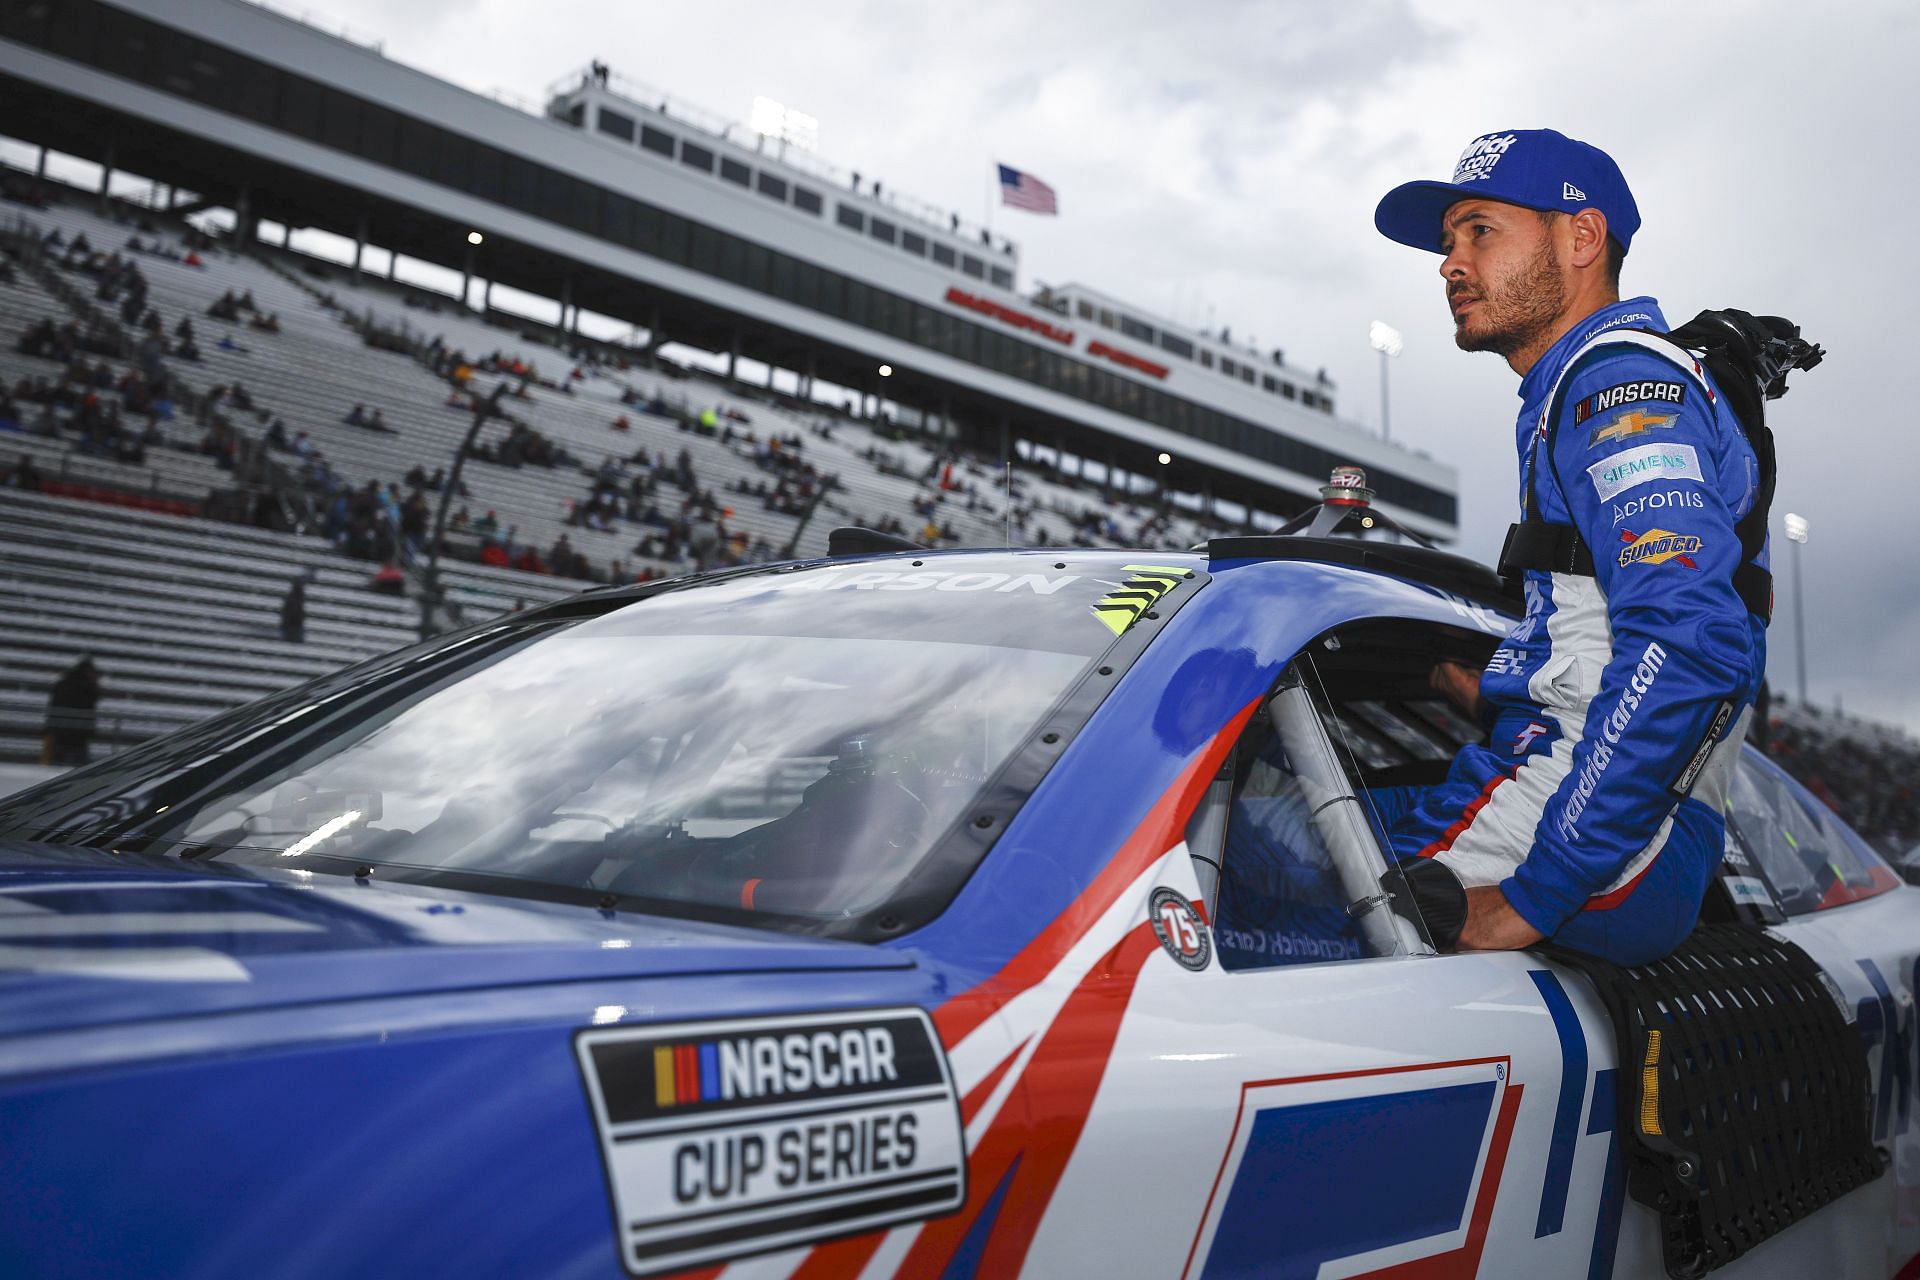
[
  {"x": 1796, "y": 526},
  {"x": 886, "y": 371},
  {"x": 474, "y": 237},
  {"x": 1165, "y": 458},
  {"x": 1387, "y": 341}
]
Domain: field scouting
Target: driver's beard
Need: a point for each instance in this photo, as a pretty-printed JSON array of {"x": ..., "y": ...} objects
[{"x": 1526, "y": 307}]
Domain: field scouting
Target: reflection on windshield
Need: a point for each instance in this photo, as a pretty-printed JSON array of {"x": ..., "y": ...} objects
[
  {"x": 795, "y": 774},
  {"x": 1803, "y": 848}
]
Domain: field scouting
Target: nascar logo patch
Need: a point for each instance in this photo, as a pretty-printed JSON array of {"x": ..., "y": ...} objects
[
  {"x": 1626, "y": 393},
  {"x": 728, "y": 1138}
]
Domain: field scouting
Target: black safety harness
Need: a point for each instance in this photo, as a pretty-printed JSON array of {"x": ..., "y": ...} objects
[{"x": 1748, "y": 358}]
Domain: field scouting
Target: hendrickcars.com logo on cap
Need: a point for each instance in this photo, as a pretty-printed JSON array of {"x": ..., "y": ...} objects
[{"x": 1533, "y": 168}]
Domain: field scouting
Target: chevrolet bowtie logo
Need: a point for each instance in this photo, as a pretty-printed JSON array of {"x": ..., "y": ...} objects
[{"x": 1636, "y": 423}]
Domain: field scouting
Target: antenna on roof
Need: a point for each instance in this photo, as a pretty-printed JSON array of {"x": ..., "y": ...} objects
[{"x": 1346, "y": 506}]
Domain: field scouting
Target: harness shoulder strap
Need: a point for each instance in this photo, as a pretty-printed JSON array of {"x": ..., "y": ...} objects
[{"x": 1551, "y": 547}]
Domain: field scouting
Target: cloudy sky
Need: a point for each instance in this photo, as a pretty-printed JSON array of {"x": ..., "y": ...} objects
[{"x": 1222, "y": 160}]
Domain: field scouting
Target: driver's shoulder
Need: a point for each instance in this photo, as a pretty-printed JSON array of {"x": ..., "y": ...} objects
[{"x": 1631, "y": 394}]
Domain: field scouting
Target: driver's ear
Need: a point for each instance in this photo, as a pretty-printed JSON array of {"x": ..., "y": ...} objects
[{"x": 1587, "y": 231}]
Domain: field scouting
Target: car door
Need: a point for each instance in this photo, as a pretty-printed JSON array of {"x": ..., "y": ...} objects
[{"x": 1312, "y": 1092}]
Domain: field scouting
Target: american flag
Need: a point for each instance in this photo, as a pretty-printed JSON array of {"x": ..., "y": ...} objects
[{"x": 1024, "y": 191}]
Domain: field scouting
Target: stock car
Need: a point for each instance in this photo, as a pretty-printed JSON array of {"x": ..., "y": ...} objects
[{"x": 970, "y": 913}]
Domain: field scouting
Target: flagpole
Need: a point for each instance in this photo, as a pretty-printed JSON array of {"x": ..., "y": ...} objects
[{"x": 993, "y": 184}]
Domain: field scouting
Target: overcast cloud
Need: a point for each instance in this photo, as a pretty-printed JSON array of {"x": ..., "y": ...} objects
[{"x": 1223, "y": 160}]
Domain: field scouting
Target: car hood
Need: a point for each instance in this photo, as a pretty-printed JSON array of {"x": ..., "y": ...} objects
[{"x": 90, "y": 937}]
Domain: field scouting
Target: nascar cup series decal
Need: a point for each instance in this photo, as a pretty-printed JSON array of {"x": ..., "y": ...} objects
[{"x": 735, "y": 1137}]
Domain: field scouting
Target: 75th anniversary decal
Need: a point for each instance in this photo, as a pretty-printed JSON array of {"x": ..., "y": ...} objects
[{"x": 741, "y": 1136}]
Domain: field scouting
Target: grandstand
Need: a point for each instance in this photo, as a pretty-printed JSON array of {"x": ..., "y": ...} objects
[
  {"x": 115, "y": 559},
  {"x": 191, "y": 418}
]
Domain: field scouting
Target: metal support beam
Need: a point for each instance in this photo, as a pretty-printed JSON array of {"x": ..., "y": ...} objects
[
  {"x": 466, "y": 275},
  {"x": 484, "y": 410},
  {"x": 359, "y": 246},
  {"x": 244, "y": 222}
]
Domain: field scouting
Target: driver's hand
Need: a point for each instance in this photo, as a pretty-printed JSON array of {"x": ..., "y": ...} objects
[{"x": 1459, "y": 684}]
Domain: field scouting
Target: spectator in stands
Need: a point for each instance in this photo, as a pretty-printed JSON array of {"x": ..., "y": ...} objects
[
  {"x": 377, "y": 423},
  {"x": 357, "y": 416},
  {"x": 226, "y": 307},
  {"x": 413, "y": 521},
  {"x": 293, "y": 612},
  {"x": 24, "y": 475},
  {"x": 70, "y": 714},
  {"x": 265, "y": 324},
  {"x": 561, "y": 557},
  {"x": 389, "y": 580}
]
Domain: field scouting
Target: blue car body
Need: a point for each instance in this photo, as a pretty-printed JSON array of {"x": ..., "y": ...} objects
[{"x": 212, "y": 1069}]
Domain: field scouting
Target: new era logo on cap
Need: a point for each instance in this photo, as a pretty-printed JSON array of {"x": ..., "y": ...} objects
[{"x": 1570, "y": 192}]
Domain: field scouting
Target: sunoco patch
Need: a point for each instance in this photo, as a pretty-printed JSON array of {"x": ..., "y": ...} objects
[
  {"x": 1181, "y": 931},
  {"x": 728, "y": 1138}
]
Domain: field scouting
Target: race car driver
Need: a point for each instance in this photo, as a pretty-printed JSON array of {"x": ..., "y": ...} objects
[{"x": 1594, "y": 814}]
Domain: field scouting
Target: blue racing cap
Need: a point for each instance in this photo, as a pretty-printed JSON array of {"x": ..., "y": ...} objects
[{"x": 1533, "y": 168}]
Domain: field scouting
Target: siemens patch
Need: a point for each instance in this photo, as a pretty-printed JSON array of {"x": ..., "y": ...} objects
[
  {"x": 729, "y": 1138},
  {"x": 1630, "y": 467},
  {"x": 1628, "y": 393}
]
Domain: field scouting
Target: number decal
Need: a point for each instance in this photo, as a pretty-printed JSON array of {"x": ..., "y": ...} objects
[{"x": 1183, "y": 935}]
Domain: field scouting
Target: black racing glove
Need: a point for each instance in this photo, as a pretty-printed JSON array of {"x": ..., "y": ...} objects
[{"x": 1426, "y": 891}]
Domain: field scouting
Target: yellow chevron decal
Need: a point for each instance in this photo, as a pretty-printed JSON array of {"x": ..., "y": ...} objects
[{"x": 1145, "y": 584}]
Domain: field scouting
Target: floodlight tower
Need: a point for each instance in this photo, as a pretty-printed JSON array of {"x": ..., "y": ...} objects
[
  {"x": 1797, "y": 535},
  {"x": 1387, "y": 341}
]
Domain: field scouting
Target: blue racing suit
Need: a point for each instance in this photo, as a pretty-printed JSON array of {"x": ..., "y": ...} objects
[{"x": 1619, "y": 702}]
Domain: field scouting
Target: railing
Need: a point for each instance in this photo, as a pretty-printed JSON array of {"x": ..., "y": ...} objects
[
  {"x": 710, "y": 122},
  {"x": 107, "y": 733},
  {"x": 323, "y": 24}
]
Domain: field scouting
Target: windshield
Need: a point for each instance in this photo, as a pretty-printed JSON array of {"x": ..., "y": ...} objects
[
  {"x": 1811, "y": 858},
  {"x": 790, "y": 746}
]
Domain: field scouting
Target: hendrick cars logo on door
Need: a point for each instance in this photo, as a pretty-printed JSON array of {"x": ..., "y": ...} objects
[{"x": 728, "y": 1138}]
